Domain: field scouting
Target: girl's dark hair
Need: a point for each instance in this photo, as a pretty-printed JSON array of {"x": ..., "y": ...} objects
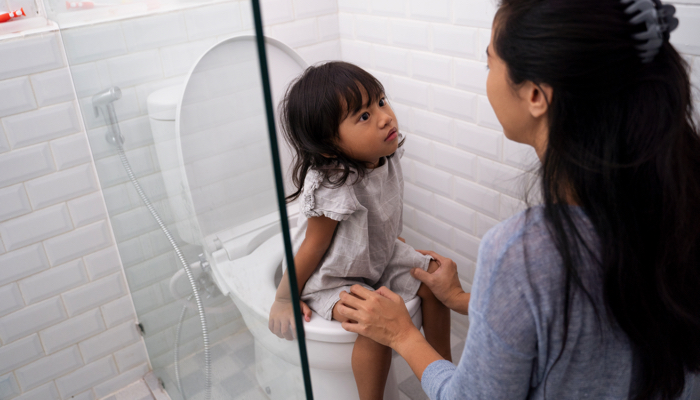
[
  {"x": 311, "y": 112},
  {"x": 622, "y": 145}
]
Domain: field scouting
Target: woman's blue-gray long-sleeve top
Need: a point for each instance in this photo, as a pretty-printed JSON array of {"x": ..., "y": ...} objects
[{"x": 516, "y": 316}]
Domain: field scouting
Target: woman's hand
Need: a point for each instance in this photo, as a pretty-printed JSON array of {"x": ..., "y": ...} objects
[
  {"x": 444, "y": 283},
  {"x": 380, "y": 315},
  {"x": 282, "y": 318}
]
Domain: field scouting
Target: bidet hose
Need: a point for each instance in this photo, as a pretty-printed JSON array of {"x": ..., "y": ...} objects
[
  {"x": 176, "y": 350},
  {"x": 188, "y": 271}
]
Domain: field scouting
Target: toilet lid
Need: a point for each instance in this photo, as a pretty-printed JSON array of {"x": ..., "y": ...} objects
[{"x": 222, "y": 134}]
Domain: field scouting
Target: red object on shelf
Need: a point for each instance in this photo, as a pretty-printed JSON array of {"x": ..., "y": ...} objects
[
  {"x": 79, "y": 5},
  {"x": 14, "y": 14}
]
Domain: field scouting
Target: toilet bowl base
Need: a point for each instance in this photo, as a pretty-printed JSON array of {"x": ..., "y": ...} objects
[{"x": 281, "y": 380}]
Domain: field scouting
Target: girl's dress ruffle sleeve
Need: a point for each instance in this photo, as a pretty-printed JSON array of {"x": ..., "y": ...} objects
[{"x": 320, "y": 199}]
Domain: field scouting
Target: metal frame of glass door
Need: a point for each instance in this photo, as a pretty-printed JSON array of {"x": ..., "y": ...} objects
[{"x": 282, "y": 204}]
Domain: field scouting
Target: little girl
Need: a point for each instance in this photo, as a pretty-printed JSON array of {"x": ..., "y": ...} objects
[{"x": 347, "y": 172}]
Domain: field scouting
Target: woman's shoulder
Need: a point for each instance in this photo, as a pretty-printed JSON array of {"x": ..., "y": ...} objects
[
  {"x": 516, "y": 246},
  {"x": 522, "y": 247},
  {"x": 529, "y": 228},
  {"x": 528, "y": 223}
]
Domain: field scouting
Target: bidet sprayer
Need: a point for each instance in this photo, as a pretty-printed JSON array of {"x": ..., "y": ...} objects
[{"x": 103, "y": 103}]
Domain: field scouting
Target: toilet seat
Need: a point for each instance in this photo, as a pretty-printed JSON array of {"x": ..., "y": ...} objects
[{"x": 257, "y": 267}]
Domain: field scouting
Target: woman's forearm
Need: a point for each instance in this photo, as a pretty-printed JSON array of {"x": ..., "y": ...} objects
[
  {"x": 460, "y": 303},
  {"x": 417, "y": 352}
]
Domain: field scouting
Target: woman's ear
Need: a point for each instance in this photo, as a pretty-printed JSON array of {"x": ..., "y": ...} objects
[{"x": 538, "y": 97}]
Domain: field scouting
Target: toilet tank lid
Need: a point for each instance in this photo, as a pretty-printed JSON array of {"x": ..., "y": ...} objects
[{"x": 162, "y": 104}]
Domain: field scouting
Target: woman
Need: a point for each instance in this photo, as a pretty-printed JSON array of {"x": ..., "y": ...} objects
[{"x": 595, "y": 293}]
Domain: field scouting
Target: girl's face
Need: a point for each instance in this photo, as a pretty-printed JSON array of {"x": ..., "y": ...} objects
[
  {"x": 521, "y": 110},
  {"x": 370, "y": 133}
]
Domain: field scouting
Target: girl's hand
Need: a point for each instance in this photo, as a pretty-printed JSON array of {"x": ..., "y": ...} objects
[
  {"x": 444, "y": 282},
  {"x": 380, "y": 315},
  {"x": 282, "y": 318}
]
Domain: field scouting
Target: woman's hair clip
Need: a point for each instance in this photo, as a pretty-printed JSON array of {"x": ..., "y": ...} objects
[{"x": 659, "y": 19}]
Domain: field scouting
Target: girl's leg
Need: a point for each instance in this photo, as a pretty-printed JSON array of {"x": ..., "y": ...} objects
[
  {"x": 370, "y": 365},
  {"x": 436, "y": 319}
]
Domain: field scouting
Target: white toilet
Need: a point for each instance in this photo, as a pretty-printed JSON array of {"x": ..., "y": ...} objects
[{"x": 210, "y": 138}]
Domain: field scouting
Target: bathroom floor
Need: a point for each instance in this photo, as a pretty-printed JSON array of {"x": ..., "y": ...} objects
[{"x": 233, "y": 370}]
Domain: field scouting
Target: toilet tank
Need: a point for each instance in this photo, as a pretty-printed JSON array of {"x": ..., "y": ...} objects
[{"x": 162, "y": 110}]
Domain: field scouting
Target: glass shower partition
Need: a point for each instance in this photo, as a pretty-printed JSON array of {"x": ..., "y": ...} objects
[{"x": 180, "y": 122}]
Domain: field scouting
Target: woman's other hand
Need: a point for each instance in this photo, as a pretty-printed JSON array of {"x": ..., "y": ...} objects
[
  {"x": 444, "y": 282},
  {"x": 281, "y": 321},
  {"x": 380, "y": 315}
]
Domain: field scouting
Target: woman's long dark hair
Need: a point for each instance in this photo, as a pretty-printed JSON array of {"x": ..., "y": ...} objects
[
  {"x": 623, "y": 146},
  {"x": 311, "y": 112}
]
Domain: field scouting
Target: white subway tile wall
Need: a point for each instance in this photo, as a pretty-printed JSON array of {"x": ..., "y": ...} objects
[
  {"x": 429, "y": 60},
  {"x": 17, "y": 96}
]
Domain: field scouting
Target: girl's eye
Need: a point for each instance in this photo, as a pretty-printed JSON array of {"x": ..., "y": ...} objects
[
  {"x": 364, "y": 116},
  {"x": 382, "y": 102}
]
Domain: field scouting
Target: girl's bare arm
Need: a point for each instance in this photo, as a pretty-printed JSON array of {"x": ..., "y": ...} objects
[{"x": 319, "y": 234}]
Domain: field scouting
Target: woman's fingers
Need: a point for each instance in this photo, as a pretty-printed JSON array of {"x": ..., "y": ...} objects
[
  {"x": 429, "y": 253},
  {"x": 423, "y": 276},
  {"x": 437, "y": 257},
  {"x": 349, "y": 300},
  {"x": 347, "y": 312},
  {"x": 360, "y": 291},
  {"x": 443, "y": 281},
  {"x": 381, "y": 315},
  {"x": 384, "y": 291},
  {"x": 351, "y": 326}
]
